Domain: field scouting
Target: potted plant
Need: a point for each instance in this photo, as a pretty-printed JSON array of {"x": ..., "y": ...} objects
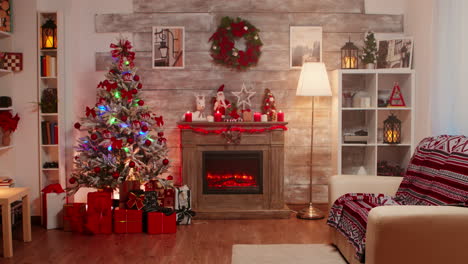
[
  {"x": 369, "y": 51},
  {"x": 8, "y": 124}
]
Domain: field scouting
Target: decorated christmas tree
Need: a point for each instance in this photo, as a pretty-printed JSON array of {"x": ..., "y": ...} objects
[
  {"x": 370, "y": 49},
  {"x": 125, "y": 140}
]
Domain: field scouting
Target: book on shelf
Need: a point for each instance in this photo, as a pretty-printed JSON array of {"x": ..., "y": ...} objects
[{"x": 49, "y": 131}]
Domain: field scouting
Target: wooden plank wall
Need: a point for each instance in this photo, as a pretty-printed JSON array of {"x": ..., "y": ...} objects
[{"x": 171, "y": 92}]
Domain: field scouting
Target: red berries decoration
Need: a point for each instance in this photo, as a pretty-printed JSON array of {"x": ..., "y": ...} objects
[
  {"x": 130, "y": 140},
  {"x": 148, "y": 142},
  {"x": 77, "y": 125},
  {"x": 97, "y": 169},
  {"x": 136, "y": 78},
  {"x": 165, "y": 162},
  {"x": 72, "y": 180},
  {"x": 132, "y": 164},
  {"x": 124, "y": 118},
  {"x": 115, "y": 175},
  {"x": 141, "y": 103},
  {"x": 144, "y": 128},
  {"x": 94, "y": 136},
  {"x": 161, "y": 134},
  {"x": 139, "y": 86}
]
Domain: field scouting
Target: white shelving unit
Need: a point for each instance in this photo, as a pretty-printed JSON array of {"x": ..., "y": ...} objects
[
  {"x": 350, "y": 157},
  {"x": 49, "y": 152},
  {"x": 7, "y": 153}
]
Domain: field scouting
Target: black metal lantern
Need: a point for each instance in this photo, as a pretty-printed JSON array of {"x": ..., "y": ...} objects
[
  {"x": 392, "y": 130},
  {"x": 49, "y": 35},
  {"x": 349, "y": 56}
]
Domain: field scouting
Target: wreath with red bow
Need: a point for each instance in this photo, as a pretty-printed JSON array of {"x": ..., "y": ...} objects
[{"x": 223, "y": 49}]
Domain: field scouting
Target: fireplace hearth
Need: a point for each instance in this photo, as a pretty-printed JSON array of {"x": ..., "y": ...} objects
[{"x": 234, "y": 181}]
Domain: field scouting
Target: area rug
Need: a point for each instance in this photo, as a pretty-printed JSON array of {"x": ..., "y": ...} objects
[{"x": 286, "y": 253}]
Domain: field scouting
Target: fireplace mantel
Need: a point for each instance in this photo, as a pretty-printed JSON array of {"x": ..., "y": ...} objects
[{"x": 269, "y": 204}]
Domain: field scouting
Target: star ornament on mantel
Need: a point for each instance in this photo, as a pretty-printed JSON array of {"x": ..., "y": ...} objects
[{"x": 243, "y": 97}]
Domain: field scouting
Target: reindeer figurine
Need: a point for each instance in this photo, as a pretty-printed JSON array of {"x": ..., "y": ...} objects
[{"x": 199, "y": 115}]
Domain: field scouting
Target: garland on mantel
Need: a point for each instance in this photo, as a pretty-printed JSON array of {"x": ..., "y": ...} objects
[{"x": 234, "y": 128}]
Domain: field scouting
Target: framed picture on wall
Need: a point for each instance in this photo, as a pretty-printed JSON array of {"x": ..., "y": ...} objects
[
  {"x": 168, "y": 47},
  {"x": 5, "y": 16},
  {"x": 395, "y": 53},
  {"x": 305, "y": 44}
]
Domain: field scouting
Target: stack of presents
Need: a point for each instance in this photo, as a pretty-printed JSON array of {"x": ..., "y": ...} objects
[{"x": 155, "y": 210}]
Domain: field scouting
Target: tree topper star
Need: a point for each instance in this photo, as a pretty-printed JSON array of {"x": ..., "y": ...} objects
[{"x": 243, "y": 97}]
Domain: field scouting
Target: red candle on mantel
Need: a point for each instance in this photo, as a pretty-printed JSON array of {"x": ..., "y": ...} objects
[
  {"x": 218, "y": 117},
  {"x": 280, "y": 116},
  {"x": 188, "y": 117},
  {"x": 257, "y": 117}
]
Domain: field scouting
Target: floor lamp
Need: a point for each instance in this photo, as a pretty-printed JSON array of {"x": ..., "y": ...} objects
[{"x": 312, "y": 82}]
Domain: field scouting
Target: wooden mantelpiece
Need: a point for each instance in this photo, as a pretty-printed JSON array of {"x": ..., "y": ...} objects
[{"x": 269, "y": 204}]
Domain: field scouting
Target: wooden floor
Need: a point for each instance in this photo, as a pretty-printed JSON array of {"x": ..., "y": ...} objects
[{"x": 205, "y": 241}]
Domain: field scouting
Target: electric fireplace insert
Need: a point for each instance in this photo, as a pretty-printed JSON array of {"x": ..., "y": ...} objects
[{"x": 232, "y": 172}]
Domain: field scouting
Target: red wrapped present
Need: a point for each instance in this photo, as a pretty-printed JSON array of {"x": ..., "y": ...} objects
[
  {"x": 169, "y": 198},
  {"x": 124, "y": 189},
  {"x": 159, "y": 223},
  {"x": 128, "y": 221},
  {"x": 99, "y": 215},
  {"x": 74, "y": 217}
]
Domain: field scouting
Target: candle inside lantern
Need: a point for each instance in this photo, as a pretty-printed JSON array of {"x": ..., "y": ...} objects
[
  {"x": 350, "y": 62},
  {"x": 218, "y": 117},
  {"x": 280, "y": 116},
  {"x": 264, "y": 118},
  {"x": 257, "y": 117},
  {"x": 188, "y": 116},
  {"x": 49, "y": 42}
]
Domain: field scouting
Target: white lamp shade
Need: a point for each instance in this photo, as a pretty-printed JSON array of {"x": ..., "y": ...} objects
[{"x": 313, "y": 80}]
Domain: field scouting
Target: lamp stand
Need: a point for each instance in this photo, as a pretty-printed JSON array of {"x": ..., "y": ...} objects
[{"x": 310, "y": 212}]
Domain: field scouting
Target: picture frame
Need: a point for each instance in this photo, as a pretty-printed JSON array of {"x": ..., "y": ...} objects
[
  {"x": 168, "y": 47},
  {"x": 395, "y": 53},
  {"x": 5, "y": 16},
  {"x": 305, "y": 44}
]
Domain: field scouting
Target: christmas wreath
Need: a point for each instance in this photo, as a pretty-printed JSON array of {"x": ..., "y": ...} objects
[{"x": 223, "y": 49}]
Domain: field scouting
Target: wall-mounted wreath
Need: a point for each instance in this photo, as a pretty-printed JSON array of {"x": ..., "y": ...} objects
[{"x": 223, "y": 47}]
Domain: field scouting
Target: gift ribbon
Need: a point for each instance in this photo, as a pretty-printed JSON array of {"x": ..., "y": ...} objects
[
  {"x": 185, "y": 212},
  {"x": 134, "y": 200}
]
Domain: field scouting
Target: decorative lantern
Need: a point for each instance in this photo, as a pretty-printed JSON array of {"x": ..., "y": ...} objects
[
  {"x": 392, "y": 130},
  {"x": 349, "y": 56},
  {"x": 49, "y": 35}
]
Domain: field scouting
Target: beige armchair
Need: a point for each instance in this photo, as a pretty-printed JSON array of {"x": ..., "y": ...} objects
[{"x": 403, "y": 234}]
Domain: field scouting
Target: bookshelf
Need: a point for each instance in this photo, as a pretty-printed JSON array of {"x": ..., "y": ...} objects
[
  {"x": 7, "y": 153},
  {"x": 51, "y": 111},
  {"x": 354, "y": 115}
]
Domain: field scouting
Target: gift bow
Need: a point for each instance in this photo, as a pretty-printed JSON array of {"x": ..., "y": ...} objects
[
  {"x": 184, "y": 212},
  {"x": 134, "y": 200},
  {"x": 53, "y": 188}
]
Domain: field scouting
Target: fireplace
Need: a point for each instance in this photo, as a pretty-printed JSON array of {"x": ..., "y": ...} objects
[
  {"x": 232, "y": 172},
  {"x": 234, "y": 179}
]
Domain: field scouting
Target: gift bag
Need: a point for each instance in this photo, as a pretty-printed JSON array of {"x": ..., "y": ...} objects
[
  {"x": 74, "y": 215},
  {"x": 53, "y": 199},
  {"x": 183, "y": 205},
  {"x": 127, "y": 221}
]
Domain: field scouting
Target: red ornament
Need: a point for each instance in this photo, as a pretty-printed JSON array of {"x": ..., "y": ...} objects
[
  {"x": 139, "y": 86},
  {"x": 144, "y": 128},
  {"x": 132, "y": 164},
  {"x": 77, "y": 125},
  {"x": 170, "y": 178},
  {"x": 136, "y": 78},
  {"x": 77, "y": 157},
  {"x": 148, "y": 142},
  {"x": 134, "y": 91},
  {"x": 115, "y": 175},
  {"x": 161, "y": 134},
  {"x": 94, "y": 136},
  {"x": 124, "y": 118},
  {"x": 97, "y": 169},
  {"x": 130, "y": 141},
  {"x": 72, "y": 180},
  {"x": 165, "y": 162},
  {"x": 141, "y": 103}
]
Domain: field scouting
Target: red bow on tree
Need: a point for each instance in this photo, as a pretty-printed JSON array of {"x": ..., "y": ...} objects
[
  {"x": 127, "y": 94},
  {"x": 134, "y": 200},
  {"x": 116, "y": 143},
  {"x": 106, "y": 84},
  {"x": 159, "y": 121},
  {"x": 121, "y": 51},
  {"x": 90, "y": 111}
]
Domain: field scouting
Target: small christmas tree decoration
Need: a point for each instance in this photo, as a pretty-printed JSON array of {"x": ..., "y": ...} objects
[
  {"x": 243, "y": 97},
  {"x": 269, "y": 104},
  {"x": 119, "y": 141},
  {"x": 369, "y": 51},
  {"x": 396, "y": 99}
]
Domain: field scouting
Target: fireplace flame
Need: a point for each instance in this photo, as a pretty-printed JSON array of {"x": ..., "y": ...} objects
[{"x": 235, "y": 180}]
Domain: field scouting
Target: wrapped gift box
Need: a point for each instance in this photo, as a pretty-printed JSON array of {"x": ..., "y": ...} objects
[
  {"x": 159, "y": 223},
  {"x": 74, "y": 217},
  {"x": 169, "y": 198},
  {"x": 99, "y": 215},
  {"x": 124, "y": 189},
  {"x": 136, "y": 200},
  {"x": 53, "y": 199},
  {"x": 183, "y": 205},
  {"x": 151, "y": 201},
  {"x": 128, "y": 221}
]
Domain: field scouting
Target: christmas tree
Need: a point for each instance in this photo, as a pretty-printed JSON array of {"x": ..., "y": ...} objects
[
  {"x": 121, "y": 142},
  {"x": 370, "y": 48}
]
